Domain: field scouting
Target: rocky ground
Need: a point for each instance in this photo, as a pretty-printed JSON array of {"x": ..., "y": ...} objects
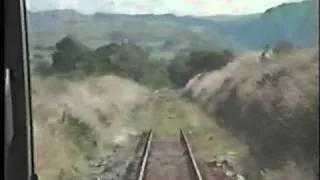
[
  {"x": 117, "y": 164},
  {"x": 114, "y": 165},
  {"x": 167, "y": 161}
]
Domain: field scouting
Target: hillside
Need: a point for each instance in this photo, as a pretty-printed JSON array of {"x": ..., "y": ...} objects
[
  {"x": 81, "y": 123},
  {"x": 272, "y": 107},
  {"x": 96, "y": 85},
  {"x": 151, "y": 30},
  {"x": 264, "y": 114},
  {"x": 294, "y": 22}
]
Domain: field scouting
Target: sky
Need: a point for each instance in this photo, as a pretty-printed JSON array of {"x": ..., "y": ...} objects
[{"x": 178, "y": 7}]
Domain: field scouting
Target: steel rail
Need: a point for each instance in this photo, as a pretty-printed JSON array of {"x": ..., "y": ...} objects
[
  {"x": 146, "y": 152},
  {"x": 195, "y": 167},
  {"x": 185, "y": 143}
]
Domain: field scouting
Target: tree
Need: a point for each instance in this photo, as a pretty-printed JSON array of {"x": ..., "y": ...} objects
[
  {"x": 178, "y": 71},
  {"x": 68, "y": 53},
  {"x": 283, "y": 47},
  {"x": 43, "y": 68},
  {"x": 181, "y": 69},
  {"x": 207, "y": 61}
]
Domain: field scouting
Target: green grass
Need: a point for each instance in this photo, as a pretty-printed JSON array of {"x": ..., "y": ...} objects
[{"x": 166, "y": 115}]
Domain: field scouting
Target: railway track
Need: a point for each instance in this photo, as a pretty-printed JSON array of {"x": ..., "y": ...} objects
[
  {"x": 170, "y": 159},
  {"x": 173, "y": 159}
]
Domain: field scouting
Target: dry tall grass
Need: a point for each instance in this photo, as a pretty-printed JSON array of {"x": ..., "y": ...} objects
[
  {"x": 103, "y": 112},
  {"x": 166, "y": 113},
  {"x": 99, "y": 107},
  {"x": 274, "y": 107}
]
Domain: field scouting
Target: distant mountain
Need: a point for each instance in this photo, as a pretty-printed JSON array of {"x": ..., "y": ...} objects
[
  {"x": 152, "y": 30},
  {"x": 239, "y": 19},
  {"x": 294, "y": 22}
]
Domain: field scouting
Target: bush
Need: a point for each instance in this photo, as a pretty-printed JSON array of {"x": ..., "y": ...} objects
[
  {"x": 72, "y": 59},
  {"x": 183, "y": 68},
  {"x": 178, "y": 71},
  {"x": 43, "y": 69},
  {"x": 283, "y": 47},
  {"x": 68, "y": 53}
]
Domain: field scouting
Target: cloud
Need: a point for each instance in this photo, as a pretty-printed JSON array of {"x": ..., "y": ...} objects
[
  {"x": 179, "y": 7},
  {"x": 38, "y": 5}
]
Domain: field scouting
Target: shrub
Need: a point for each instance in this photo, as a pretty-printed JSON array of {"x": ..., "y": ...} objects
[{"x": 182, "y": 68}]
